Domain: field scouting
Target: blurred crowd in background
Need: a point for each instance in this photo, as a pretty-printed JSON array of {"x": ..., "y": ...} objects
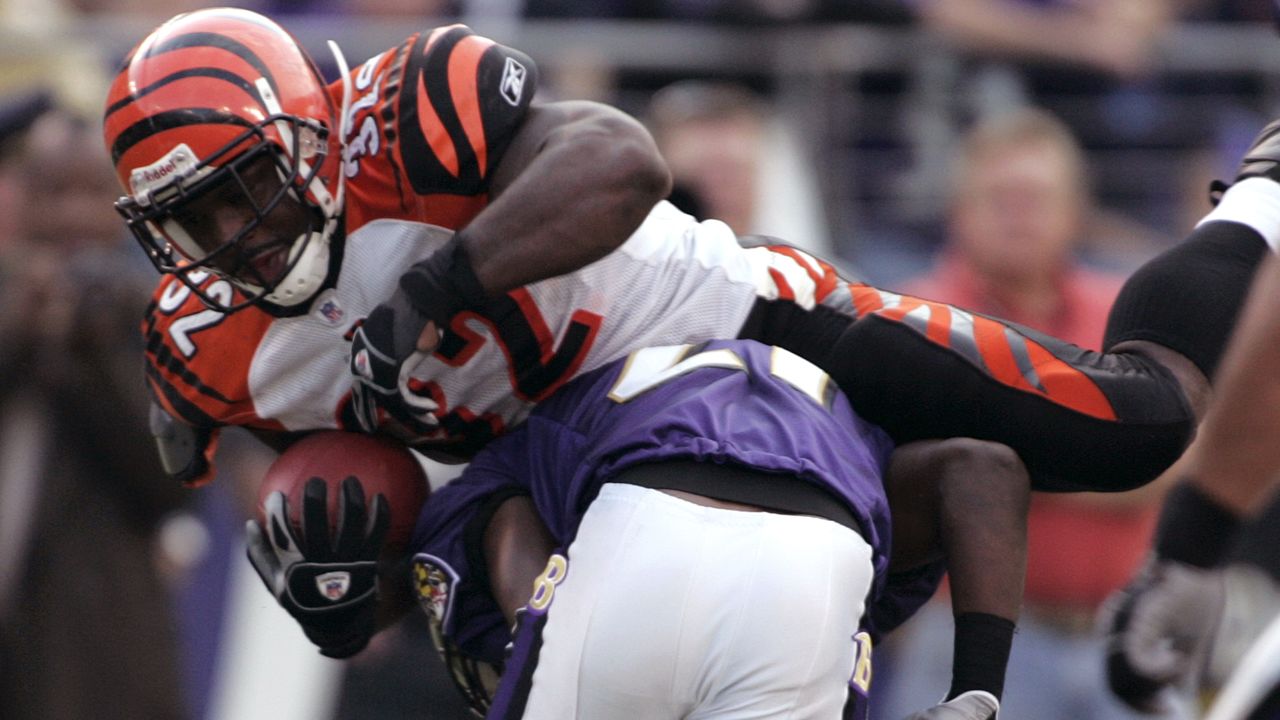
[{"x": 1017, "y": 157}]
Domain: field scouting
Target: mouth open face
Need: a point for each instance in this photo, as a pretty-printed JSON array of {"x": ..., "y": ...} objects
[
  {"x": 271, "y": 265},
  {"x": 244, "y": 224},
  {"x": 259, "y": 265}
]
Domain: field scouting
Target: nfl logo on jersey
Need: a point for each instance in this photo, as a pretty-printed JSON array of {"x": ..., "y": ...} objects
[
  {"x": 334, "y": 585},
  {"x": 330, "y": 311}
]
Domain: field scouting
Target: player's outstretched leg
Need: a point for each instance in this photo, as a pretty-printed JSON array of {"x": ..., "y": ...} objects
[
  {"x": 1080, "y": 420},
  {"x": 1187, "y": 298}
]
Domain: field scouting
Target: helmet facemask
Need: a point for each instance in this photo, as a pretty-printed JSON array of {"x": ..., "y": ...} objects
[{"x": 255, "y": 213}]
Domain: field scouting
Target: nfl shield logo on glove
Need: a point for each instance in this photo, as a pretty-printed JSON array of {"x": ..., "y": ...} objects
[
  {"x": 362, "y": 364},
  {"x": 334, "y": 585}
]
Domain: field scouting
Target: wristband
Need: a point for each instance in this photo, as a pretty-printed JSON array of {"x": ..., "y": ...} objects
[
  {"x": 981, "y": 653},
  {"x": 1193, "y": 528},
  {"x": 1258, "y": 540},
  {"x": 444, "y": 284}
]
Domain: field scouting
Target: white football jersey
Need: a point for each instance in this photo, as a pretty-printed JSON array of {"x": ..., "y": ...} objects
[{"x": 674, "y": 281}]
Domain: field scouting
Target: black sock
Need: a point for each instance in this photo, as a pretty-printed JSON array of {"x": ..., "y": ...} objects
[
  {"x": 1187, "y": 297},
  {"x": 1194, "y": 528},
  {"x": 981, "y": 653}
]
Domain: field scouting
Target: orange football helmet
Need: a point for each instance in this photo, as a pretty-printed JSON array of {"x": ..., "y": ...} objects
[{"x": 227, "y": 143}]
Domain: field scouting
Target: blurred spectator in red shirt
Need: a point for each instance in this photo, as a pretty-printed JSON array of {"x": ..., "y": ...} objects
[{"x": 1019, "y": 208}]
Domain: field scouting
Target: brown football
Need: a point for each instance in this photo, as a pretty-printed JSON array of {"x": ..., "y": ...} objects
[{"x": 382, "y": 466}]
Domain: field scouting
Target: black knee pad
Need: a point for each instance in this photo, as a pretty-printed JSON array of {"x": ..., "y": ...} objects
[{"x": 1188, "y": 297}]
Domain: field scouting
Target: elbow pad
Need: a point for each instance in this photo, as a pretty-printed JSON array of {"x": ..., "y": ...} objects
[{"x": 186, "y": 451}]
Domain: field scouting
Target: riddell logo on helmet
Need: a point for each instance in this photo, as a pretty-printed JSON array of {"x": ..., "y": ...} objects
[{"x": 178, "y": 161}]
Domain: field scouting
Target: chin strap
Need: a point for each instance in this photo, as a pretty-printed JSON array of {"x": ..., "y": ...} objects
[
  {"x": 344, "y": 120},
  {"x": 293, "y": 289}
]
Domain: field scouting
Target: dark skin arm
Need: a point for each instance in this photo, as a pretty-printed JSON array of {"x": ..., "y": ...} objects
[
  {"x": 577, "y": 180},
  {"x": 967, "y": 500},
  {"x": 516, "y": 547}
]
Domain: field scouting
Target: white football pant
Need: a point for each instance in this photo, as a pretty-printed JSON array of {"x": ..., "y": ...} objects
[{"x": 673, "y": 610}]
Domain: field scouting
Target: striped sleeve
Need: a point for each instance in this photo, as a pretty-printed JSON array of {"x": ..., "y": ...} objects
[{"x": 463, "y": 100}]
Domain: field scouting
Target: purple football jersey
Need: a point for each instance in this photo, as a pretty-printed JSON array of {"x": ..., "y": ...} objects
[{"x": 730, "y": 402}]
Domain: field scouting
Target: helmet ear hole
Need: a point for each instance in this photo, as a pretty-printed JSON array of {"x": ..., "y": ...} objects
[{"x": 311, "y": 143}]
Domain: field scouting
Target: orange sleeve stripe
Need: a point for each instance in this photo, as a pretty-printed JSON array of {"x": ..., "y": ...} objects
[
  {"x": 829, "y": 281},
  {"x": 824, "y": 276},
  {"x": 434, "y": 131},
  {"x": 785, "y": 291},
  {"x": 464, "y": 64},
  {"x": 939, "y": 325},
  {"x": 1054, "y": 379},
  {"x": 998, "y": 356},
  {"x": 866, "y": 299},
  {"x": 1069, "y": 386},
  {"x": 937, "y": 322}
]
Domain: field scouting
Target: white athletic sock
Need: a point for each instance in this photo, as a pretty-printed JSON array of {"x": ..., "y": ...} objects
[{"x": 1254, "y": 202}]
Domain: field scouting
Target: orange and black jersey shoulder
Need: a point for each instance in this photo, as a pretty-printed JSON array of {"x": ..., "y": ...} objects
[
  {"x": 429, "y": 121},
  {"x": 198, "y": 359}
]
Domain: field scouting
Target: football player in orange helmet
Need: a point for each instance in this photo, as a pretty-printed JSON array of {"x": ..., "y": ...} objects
[
  {"x": 234, "y": 153},
  {"x": 226, "y": 139},
  {"x": 449, "y": 338}
]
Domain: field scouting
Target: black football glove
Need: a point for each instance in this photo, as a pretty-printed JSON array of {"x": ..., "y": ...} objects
[
  {"x": 379, "y": 349},
  {"x": 433, "y": 290},
  {"x": 328, "y": 586}
]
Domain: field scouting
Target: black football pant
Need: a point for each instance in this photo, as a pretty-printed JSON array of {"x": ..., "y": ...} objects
[{"x": 1080, "y": 420}]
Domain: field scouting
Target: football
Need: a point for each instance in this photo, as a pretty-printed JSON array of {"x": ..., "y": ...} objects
[{"x": 382, "y": 466}]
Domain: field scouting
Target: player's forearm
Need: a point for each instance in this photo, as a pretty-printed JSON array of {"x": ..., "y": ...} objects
[
  {"x": 516, "y": 547},
  {"x": 588, "y": 185},
  {"x": 966, "y": 500},
  {"x": 984, "y": 493},
  {"x": 983, "y": 496},
  {"x": 1236, "y": 455}
]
